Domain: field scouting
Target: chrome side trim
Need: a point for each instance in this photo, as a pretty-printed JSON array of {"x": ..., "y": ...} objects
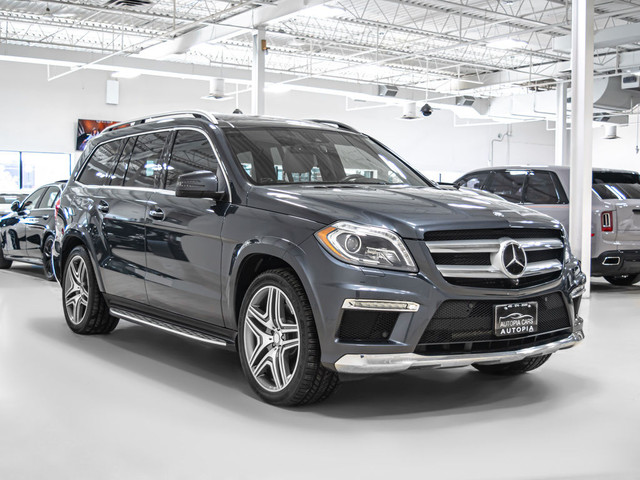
[
  {"x": 167, "y": 327},
  {"x": 490, "y": 271},
  {"x": 398, "y": 362},
  {"x": 489, "y": 246},
  {"x": 385, "y": 305}
]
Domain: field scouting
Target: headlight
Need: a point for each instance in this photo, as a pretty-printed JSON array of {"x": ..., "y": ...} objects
[{"x": 366, "y": 246}]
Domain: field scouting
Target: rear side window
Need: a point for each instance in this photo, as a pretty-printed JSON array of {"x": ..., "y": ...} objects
[
  {"x": 49, "y": 198},
  {"x": 101, "y": 164},
  {"x": 508, "y": 184},
  {"x": 618, "y": 191},
  {"x": 191, "y": 152},
  {"x": 146, "y": 160},
  {"x": 473, "y": 180},
  {"x": 542, "y": 188},
  {"x": 615, "y": 177}
]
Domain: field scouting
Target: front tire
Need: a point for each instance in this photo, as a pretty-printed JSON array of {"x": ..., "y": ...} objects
[
  {"x": 623, "y": 280},
  {"x": 513, "y": 368},
  {"x": 4, "y": 263},
  {"x": 85, "y": 309},
  {"x": 47, "y": 265},
  {"x": 278, "y": 342}
]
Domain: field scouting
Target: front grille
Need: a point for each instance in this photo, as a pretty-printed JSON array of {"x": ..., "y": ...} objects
[
  {"x": 459, "y": 323},
  {"x": 364, "y": 326},
  {"x": 474, "y": 258}
]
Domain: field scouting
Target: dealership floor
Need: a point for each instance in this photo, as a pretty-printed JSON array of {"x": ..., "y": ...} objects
[{"x": 140, "y": 404}]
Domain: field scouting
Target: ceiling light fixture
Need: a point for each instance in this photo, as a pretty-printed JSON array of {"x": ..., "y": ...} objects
[{"x": 323, "y": 11}]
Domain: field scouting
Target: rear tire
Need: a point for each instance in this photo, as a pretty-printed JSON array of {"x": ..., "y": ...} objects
[
  {"x": 47, "y": 265},
  {"x": 278, "y": 342},
  {"x": 4, "y": 263},
  {"x": 513, "y": 368},
  {"x": 623, "y": 280},
  {"x": 85, "y": 309}
]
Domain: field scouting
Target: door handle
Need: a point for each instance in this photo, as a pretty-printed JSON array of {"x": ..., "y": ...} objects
[
  {"x": 157, "y": 214},
  {"x": 103, "y": 206}
]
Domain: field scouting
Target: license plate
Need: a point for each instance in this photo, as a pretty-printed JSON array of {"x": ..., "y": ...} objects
[{"x": 515, "y": 319}]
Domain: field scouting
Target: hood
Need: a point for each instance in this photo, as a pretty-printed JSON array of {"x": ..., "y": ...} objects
[{"x": 409, "y": 211}]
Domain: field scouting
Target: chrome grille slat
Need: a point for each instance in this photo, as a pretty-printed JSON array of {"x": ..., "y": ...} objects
[
  {"x": 488, "y": 271},
  {"x": 490, "y": 246}
]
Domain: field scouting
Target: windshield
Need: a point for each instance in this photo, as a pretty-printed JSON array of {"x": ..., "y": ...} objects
[
  {"x": 615, "y": 177},
  {"x": 279, "y": 155},
  {"x": 618, "y": 191}
]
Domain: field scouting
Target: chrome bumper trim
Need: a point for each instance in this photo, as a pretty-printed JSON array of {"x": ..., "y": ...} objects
[
  {"x": 398, "y": 362},
  {"x": 384, "y": 305}
]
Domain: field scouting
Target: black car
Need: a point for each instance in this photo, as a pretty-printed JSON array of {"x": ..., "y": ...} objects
[
  {"x": 27, "y": 233},
  {"x": 309, "y": 247}
]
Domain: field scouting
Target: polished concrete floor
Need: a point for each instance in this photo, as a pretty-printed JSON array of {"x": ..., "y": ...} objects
[{"x": 140, "y": 404}]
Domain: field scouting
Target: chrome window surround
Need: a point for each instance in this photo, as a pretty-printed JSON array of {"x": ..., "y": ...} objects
[
  {"x": 493, "y": 247},
  {"x": 172, "y": 129}
]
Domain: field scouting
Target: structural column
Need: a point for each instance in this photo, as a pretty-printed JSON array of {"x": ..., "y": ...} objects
[
  {"x": 563, "y": 139},
  {"x": 581, "y": 132},
  {"x": 257, "y": 73}
]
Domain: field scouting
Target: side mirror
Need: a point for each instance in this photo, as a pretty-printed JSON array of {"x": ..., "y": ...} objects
[
  {"x": 15, "y": 206},
  {"x": 201, "y": 184}
]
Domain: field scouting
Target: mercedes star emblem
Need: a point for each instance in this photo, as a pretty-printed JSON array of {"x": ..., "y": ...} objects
[{"x": 514, "y": 259}]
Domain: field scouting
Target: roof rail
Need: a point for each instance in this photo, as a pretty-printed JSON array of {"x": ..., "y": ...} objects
[
  {"x": 332, "y": 123},
  {"x": 163, "y": 116}
]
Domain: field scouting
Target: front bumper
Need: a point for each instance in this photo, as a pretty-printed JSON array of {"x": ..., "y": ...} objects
[{"x": 392, "y": 363}]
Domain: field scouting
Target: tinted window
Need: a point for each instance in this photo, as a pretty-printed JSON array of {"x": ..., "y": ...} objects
[
  {"x": 191, "y": 152},
  {"x": 32, "y": 200},
  {"x": 308, "y": 155},
  {"x": 49, "y": 198},
  {"x": 117, "y": 178},
  {"x": 101, "y": 163},
  {"x": 145, "y": 160},
  {"x": 473, "y": 180},
  {"x": 618, "y": 191},
  {"x": 615, "y": 177},
  {"x": 541, "y": 189},
  {"x": 508, "y": 184}
]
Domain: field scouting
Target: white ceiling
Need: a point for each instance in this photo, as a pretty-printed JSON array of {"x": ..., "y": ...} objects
[{"x": 444, "y": 45}]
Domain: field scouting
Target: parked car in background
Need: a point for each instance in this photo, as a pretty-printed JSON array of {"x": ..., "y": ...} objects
[
  {"x": 7, "y": 199},
  {"x": 615, "y": 248},
  {"x": 312, "y": 249},
  {"x": 27, "y": 233}
]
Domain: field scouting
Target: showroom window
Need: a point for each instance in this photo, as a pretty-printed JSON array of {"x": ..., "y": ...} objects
[{"x": 27, "y": 170}]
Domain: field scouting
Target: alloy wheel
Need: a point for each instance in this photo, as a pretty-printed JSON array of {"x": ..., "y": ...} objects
[
  {"x": 271, "y": 338},
  {"x": 76, "y": 296}
]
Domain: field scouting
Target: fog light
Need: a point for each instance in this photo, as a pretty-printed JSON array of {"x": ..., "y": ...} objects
[{"x": 387, "y": 305}]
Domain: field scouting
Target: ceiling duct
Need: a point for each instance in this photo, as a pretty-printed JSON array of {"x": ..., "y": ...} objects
[
  {"x": 465, "y": 101},
  {"x": 611, "y": 132},
  {"x": 216, "y": 89},
  {"x": 629, "y": 82},
  {"x": 387, "y": 90}
]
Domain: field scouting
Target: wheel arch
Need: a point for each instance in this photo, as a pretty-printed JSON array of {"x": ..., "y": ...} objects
[{"x": 71, "y": 240}]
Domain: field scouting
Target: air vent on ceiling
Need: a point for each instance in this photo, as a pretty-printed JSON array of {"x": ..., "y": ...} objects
[{"x": 129, "y": 3}]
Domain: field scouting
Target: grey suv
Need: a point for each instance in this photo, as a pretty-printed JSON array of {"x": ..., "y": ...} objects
[{"x": 309, "y": 247}]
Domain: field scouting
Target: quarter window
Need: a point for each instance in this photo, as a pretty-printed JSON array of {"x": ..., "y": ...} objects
[
  {"x": 101, "y": 164},
  {"x": 146, "y": 160},
  {"x": 191, "y": 152}
]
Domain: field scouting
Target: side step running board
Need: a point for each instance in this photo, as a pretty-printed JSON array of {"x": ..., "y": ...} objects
[{"x": 167, "y": 327}]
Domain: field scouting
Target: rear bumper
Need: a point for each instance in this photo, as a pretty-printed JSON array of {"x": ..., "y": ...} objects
[
  {"x": 391, "y": 363},
  {"x": 616, "y": 262}
]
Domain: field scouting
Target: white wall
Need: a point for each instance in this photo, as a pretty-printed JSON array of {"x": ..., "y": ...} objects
[
  {"x": 38, "y": 115},
  {"x": 618, "y": 153}
]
